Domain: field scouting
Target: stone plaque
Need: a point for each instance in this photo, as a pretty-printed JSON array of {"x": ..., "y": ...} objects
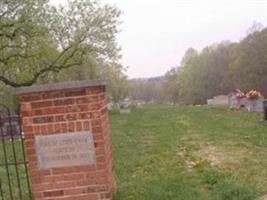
[{"x": 63, "y": 150}]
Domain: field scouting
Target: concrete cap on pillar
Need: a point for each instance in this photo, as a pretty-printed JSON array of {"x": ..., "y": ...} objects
[{"x": 59, "y": 86}]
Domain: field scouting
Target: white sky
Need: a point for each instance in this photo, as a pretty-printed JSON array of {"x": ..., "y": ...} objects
[{"x": 156, "y": 33}]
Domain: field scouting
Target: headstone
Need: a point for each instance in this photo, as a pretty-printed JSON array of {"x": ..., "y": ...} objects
[
  {"x": 237, "y": 103},
  {"x": 220, "y": 100},
  {"x": 10, "y": 127},
  {"x": 255, "y": 105},
  {"x": 210, "y": 102},
  {"x": 233, "y": 102},
  {"x": 125, "y": 110},
  {"x": 110, "y": 106},
  {"x": 262, "y": 197}
]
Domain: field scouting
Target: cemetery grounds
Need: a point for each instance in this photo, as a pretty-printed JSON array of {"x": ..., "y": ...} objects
[
  {"x": 185, "y": 153},
  {"x": 189, "y": 153}
]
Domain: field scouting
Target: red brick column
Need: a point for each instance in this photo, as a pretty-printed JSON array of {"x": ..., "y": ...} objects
[{"x": 68, "y": 108}]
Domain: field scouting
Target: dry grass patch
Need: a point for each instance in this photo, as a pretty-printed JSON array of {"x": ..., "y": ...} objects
[{"x": 247, "y": 163}]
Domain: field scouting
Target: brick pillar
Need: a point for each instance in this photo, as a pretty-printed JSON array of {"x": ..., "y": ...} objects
[{"x": 67, "y": 140}]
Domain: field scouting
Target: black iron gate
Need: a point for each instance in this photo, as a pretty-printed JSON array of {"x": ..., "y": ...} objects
[{"x": 14, "y": 179}]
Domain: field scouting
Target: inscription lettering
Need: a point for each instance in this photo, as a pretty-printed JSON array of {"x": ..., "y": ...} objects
[{"x": 68, "y": 149}]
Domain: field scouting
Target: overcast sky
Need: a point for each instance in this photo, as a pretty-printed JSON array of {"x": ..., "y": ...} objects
[{"x": 156, "y": 33}]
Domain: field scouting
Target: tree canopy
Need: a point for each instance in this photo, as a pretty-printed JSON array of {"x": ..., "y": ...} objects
[
  {"x": 38, "y": 40},
  {"x": 222, "y": 68}
]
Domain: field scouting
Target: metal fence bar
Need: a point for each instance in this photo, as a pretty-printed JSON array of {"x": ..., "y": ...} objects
[
  {"x": 14, "y": 155},
  {"x": 12, "y": 163},
  {"x": 10, "y": 129},
  {"x": 24, "y": 159},
  {"x": 1, "y": 190},
  {"x": 6, "y": 166}
]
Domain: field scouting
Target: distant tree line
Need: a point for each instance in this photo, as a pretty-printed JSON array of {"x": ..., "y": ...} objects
[
  {"x": 146, "y": 89},
  {"x": 217, "y": 69}
]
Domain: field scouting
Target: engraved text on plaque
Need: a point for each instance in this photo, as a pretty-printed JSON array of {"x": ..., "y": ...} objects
[{"x": 63, "y": 150}]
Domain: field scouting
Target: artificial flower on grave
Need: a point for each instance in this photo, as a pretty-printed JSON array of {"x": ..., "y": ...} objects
[
  {"x": 239, "y": 94},
  {"x": 253, "y": 94}
]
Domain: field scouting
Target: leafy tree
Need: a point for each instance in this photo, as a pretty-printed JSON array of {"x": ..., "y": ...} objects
[
  {"x": 38, "y": 40},
  {"x": 171, "y": 85},
  {"x": 147, "y": 89},
  {"x": 189, "y": 54},
  {"x": 249, "y": 67},
  {"x": 221, "y": 68},
  {"x": 118, "y": 83}
]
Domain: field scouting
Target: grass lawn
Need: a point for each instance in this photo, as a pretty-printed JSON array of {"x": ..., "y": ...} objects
[{"x": 189, "y": 153}]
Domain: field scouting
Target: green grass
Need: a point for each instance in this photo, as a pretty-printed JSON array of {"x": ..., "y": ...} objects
[{"x": 184, "y": 153}]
